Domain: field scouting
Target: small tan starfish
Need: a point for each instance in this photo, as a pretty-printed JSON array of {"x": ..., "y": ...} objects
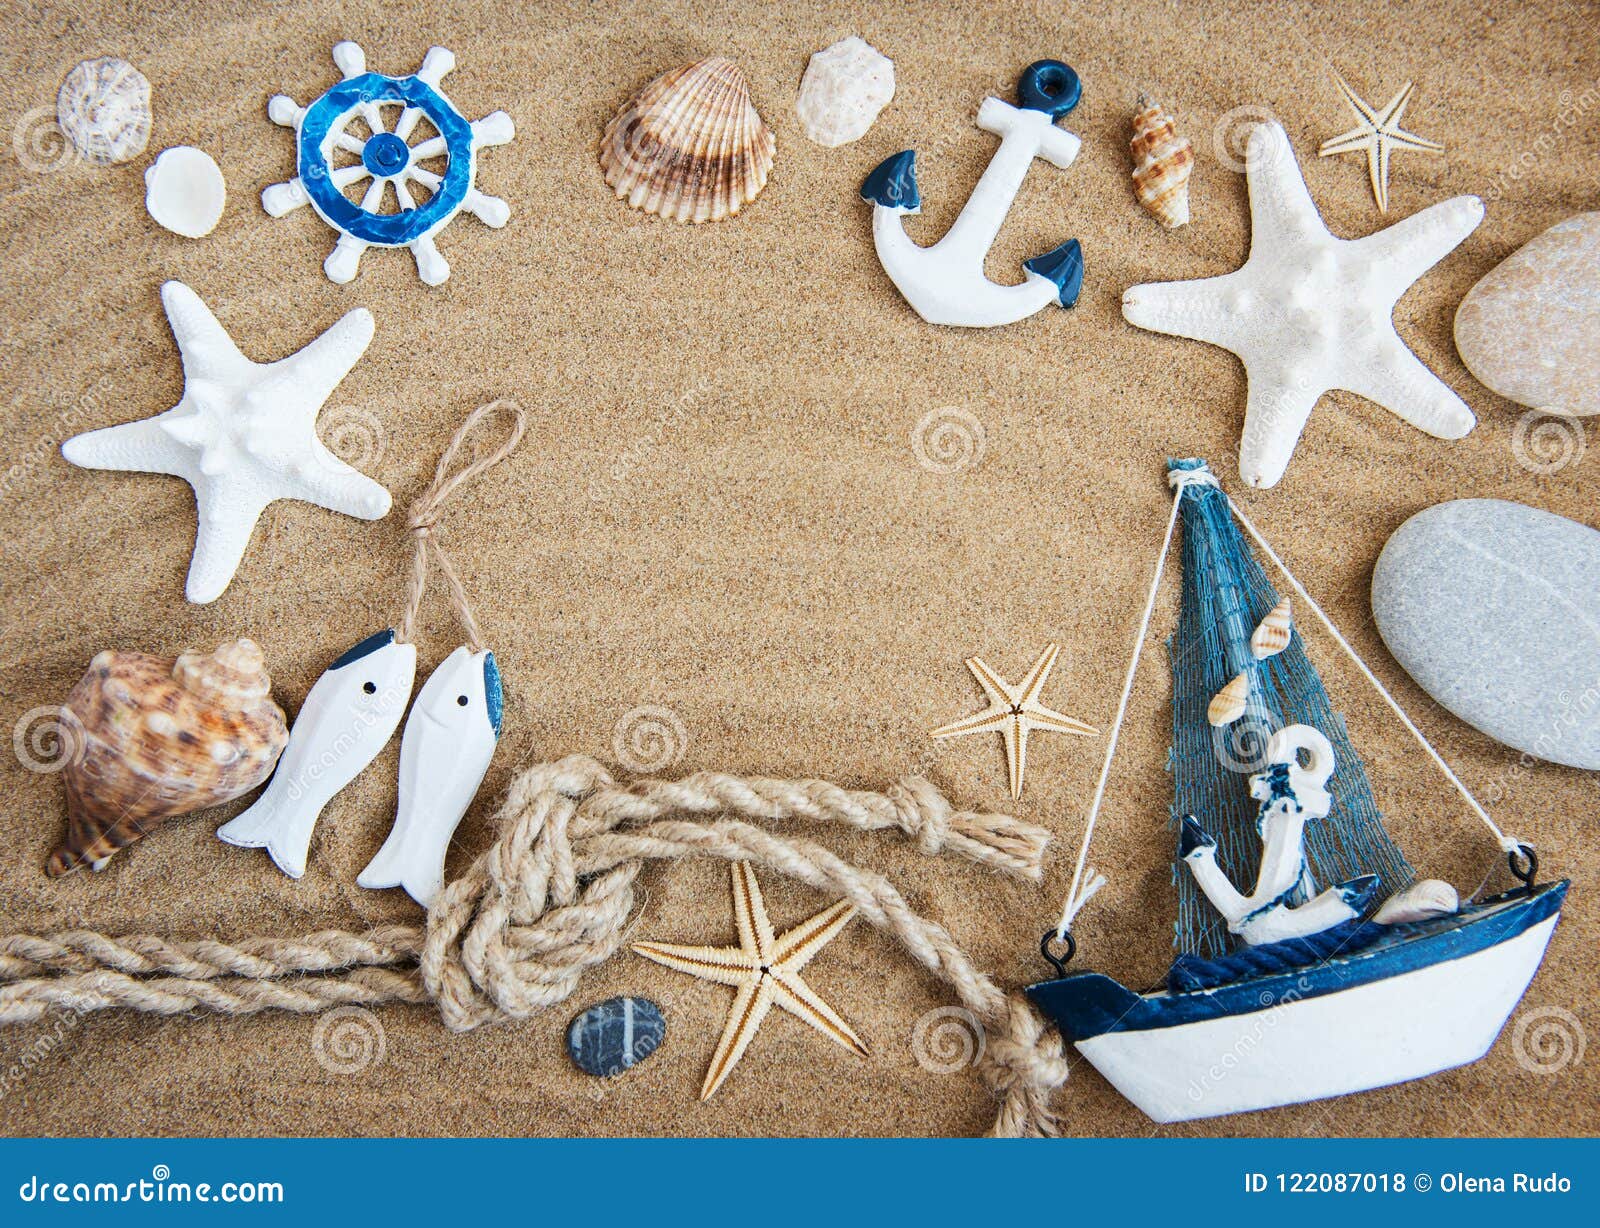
[
  {"x": 765, "y": 969},
  {"x": 1014, "y": 712},
  {"x": 1378, "y": 132}
]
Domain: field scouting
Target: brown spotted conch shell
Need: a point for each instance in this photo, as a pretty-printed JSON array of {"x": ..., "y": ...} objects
[
  {"x": 1227, "y": 705},
  {"x": 691, "y": 146},
  {"x": 1162, "y": 164},
  {"x": 152, "y": 737},
  {"x": 1272, "y": 636}
]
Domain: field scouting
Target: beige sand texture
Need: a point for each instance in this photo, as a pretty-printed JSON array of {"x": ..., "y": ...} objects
[{"x": 720, "y": 510}]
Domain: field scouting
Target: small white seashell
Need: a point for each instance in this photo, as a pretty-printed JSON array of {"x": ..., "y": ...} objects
[
  {"x": 1425, "y": 898},
  {"x": 184, "y": 191},
  {"x": 1272, "y": 636},
  {"x": 104, "y": 108},
  {"x": 1227, "y": 705},
  {"x": 844, "y": 88}
]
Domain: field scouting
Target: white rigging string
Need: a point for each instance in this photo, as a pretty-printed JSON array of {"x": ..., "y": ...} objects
[{"x": 1080, "y": 892}]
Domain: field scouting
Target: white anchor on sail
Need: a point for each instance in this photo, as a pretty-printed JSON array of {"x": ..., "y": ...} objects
[
  {"x": 1292, "y": 793},
  {"x": 945, "y": 283}
]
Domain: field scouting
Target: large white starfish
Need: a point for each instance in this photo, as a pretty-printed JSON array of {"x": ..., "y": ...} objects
[
  {"x": 1377, "y": 134},
  {"x": 244, "y": 435},
  {"x": 1309, "y": 312}
]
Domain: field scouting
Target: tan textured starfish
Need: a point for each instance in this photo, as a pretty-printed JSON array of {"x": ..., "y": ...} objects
[
  {"x": 1377, "y": 133},
  {"x": 765, "y": 969},
  {"x": 1014, "y": 712}
]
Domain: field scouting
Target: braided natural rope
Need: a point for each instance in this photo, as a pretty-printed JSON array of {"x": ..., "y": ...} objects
[
  {"x": 425, "y": 511},
  {"x": 551, "y": 898}
]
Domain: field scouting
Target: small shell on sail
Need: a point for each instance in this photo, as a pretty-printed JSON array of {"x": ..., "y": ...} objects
[
  {"x": 1227, "y": 705},
  {"x": 1272, "y": 636}
]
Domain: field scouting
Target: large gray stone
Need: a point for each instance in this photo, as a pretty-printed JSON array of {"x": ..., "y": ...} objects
[
  {"x": 1531, "y": 328},
  {"x": 1494, "y": 609}
]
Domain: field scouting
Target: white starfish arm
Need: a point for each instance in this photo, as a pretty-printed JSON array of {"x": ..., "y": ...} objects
[
  {"x": 207, "y": 351},
  {"x": 1040, "y": 717},
  {"x": 990, "y": 720},
  {"x": 1402, "y": 253},
  {"x": 1275, "y": 415},
  {"x": 724, "y": 965},
  {"x": 750, "y": 915},
  {"x": 144, "y": 446},
  {"x": 1282, "y": 215},
  {"x": 794, "y": 950},
  {"x": 226, "y": 518},
  {"x": 1211, "y": 309},
  {"x": 792, "y": 993},
  {"x": 314, "y": 372},
  {"x": 750, "y": 1007},
  {"x": 328, "y": 482},
  {"x": 1027, "y": 691},
  {"x": 1387, "y": 372},
  {"x": 993, "y": 685}
]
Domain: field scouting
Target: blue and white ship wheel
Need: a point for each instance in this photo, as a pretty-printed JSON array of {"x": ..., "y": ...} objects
[{"x": 389, "y": 159}]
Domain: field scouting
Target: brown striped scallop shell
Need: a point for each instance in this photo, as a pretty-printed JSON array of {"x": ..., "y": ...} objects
[
  {"x": 154, "y": 737},
  {"x": 691, "y": 146}
]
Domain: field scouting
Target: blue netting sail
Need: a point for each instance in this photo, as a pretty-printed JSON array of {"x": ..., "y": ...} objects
[{"x": 1225, "y": 596}]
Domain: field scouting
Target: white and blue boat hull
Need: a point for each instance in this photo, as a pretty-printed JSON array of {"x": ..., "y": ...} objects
[{"x": 1427, "y": 997}]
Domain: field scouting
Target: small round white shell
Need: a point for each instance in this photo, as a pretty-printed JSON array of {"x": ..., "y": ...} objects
[
  {"x": 104, "y": 108},
  {"x": 184, "y": 191}
]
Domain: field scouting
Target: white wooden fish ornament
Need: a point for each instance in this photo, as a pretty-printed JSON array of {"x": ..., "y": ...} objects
[
  {"x": 444, "y": 753},
  {"x": 348, "y": 717},
  {"x": 355, "y": 707}
]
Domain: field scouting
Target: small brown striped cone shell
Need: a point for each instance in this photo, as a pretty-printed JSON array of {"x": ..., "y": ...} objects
[
  {"x": 691, "y": 146},
  {"x": 1162, "y": 164},
  {"x": 1272, "y": 636},
  {"x": 153, "y": 737},
  {"x": 1227, "y": 705}
]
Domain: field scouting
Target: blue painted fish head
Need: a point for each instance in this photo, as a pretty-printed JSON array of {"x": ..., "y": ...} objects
[
  {"x": 376, "y": 672},
  {"x": 464, "y": 693}
]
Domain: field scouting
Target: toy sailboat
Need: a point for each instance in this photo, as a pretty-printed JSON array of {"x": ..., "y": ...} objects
[{"x": 1286, "y": 991}]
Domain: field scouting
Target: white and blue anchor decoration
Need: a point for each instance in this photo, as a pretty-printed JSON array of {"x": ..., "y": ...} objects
[
  {"x": 348, "y": 716},
  {"x": 945, "y": 283},
  {"x": 444, "y": 753},
  {"x": 331, "y": 160}
]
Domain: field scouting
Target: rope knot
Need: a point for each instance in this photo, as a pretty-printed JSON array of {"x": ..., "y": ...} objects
[
  {"x": 1025, "y": 1065},
  {"x": 922, "y": 812}
]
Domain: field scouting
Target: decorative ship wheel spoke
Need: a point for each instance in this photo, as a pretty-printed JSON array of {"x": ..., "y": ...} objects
[{"x": 426, "y": 199}]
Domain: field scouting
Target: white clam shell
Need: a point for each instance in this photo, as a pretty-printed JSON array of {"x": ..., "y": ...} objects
[
  {"x": 104, "y": 108},
  {"x": 185, "y": 192}
]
